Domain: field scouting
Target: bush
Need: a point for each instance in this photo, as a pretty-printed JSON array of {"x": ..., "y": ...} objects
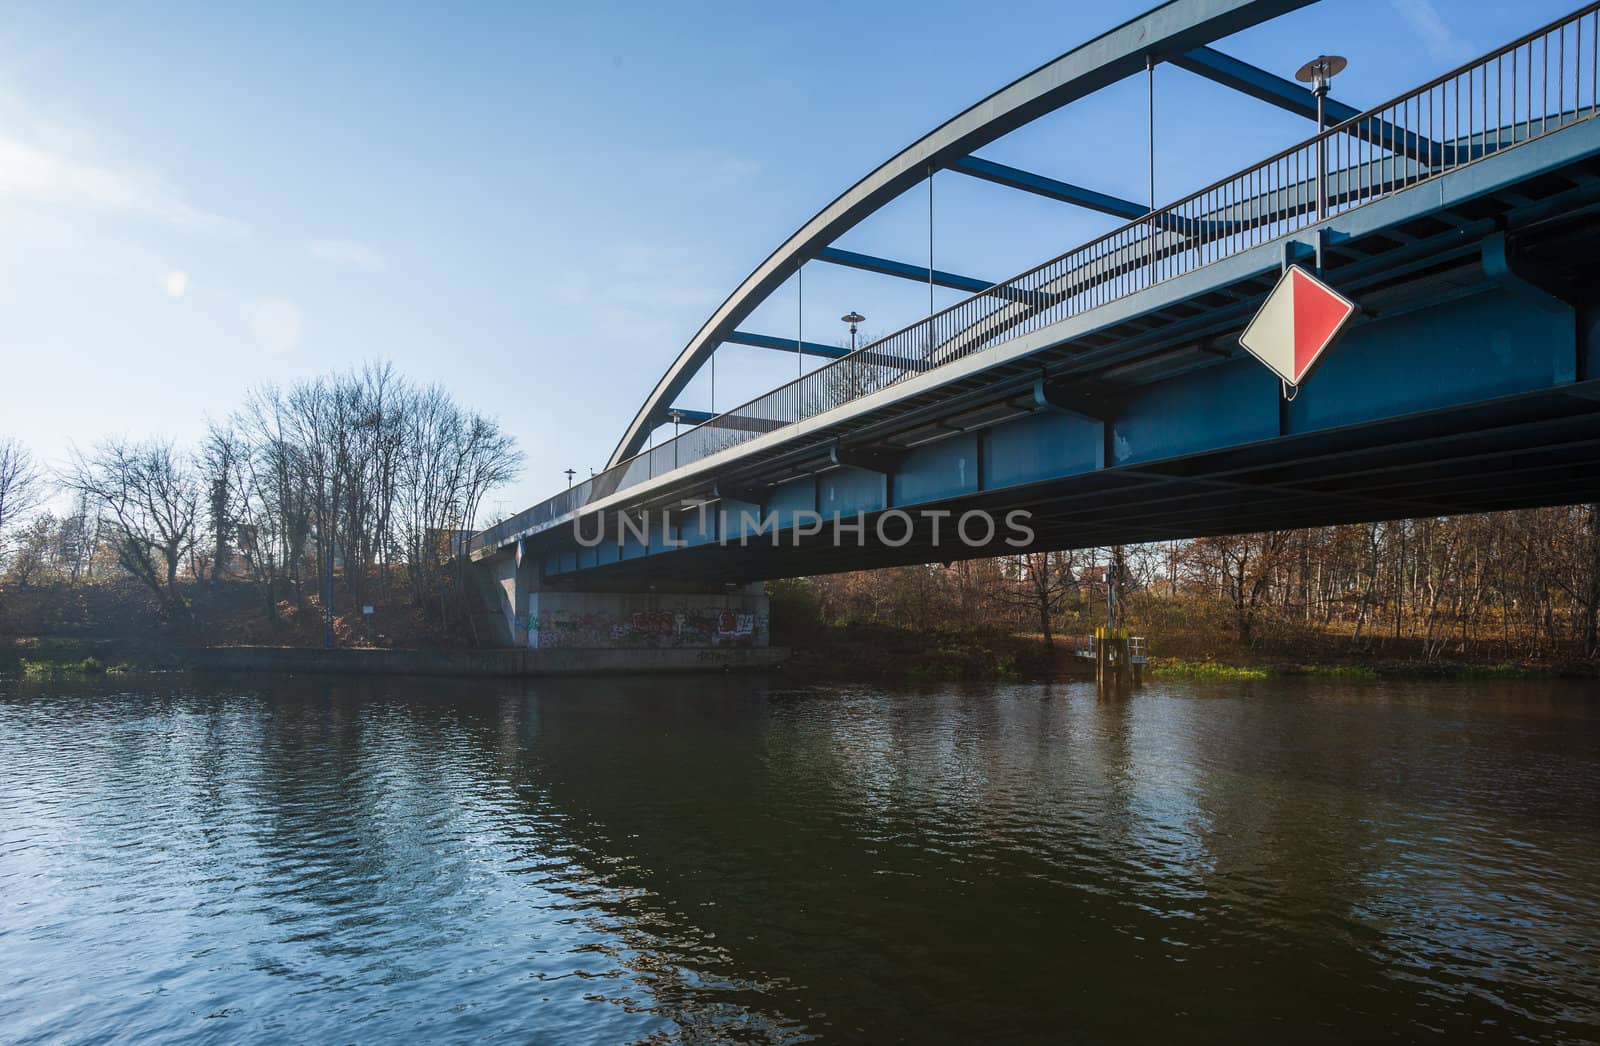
[{"x": 795, "y": 612}]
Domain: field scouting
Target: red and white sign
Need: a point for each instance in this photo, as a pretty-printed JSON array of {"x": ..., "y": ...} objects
[{"x": 1298, "y": 321}]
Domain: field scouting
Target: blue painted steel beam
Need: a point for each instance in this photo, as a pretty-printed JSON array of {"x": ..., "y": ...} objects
[
  {"x": 1240, "y": 76},
  {"x": 919, "y": 273},
  {"x": 1261, "y": 85},
  {"x": 1066, "y": 192},
  {"x": 1039, "y": 185},
  {"x": 904, "y": 270},
  {"x": 769, "y": 341}
]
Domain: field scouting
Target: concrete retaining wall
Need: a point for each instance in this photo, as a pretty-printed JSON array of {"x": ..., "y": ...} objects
[{"x": 601, "y": 621}]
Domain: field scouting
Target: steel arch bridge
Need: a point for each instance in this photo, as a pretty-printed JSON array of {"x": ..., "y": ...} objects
[{"x": 1104, "y": 389}]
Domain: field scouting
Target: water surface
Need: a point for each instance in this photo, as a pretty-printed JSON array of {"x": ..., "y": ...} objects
[{"x": 300, "y": 860}]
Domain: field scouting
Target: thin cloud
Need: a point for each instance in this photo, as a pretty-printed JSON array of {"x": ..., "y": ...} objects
[
  {"x": 353, "y": 253},
  {"x": 1436, "y": 34},
  {"x": 32, "y": 173}
]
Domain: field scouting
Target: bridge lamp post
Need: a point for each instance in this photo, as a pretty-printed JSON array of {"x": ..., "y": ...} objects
[
  {"x": 1319, "y": 73},
  {"x": 677, "y": 419},
  {"x": 569, "y": 474},
  {"x": 853, "y": 318}
]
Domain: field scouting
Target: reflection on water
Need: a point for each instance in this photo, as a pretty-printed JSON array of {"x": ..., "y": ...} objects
[{"x": 713, "y": 860}]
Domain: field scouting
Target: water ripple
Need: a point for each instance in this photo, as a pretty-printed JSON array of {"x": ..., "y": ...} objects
[{"x": 715, "y": 861}]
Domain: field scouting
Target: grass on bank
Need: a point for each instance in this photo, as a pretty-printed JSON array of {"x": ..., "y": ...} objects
[
  {"x": 1207, "y": 670},
  {"x": 1177, "y": 668},
  {"x": 89, "y": 666}
]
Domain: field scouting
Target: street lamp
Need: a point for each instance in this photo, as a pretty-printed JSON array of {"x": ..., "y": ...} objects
[
  {"x": 853, "y": 318},
  {"x": 569, "y": 474},
  {"x": 1319, "y": 73}
]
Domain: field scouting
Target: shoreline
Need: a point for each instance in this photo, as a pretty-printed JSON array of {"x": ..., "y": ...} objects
[
  {"x": 899, "y": 659},
  {"x": 66, "y": 657}
]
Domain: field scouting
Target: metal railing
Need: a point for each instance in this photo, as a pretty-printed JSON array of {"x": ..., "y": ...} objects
[
  {"x": 1088, "y": 647},
  {"x": 1528, "y": 88}
]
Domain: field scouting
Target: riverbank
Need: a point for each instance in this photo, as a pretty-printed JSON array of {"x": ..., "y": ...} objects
[
  {"x": 861, "y": 654},
  {"x": 1177, "y": 668},
  {"x": 880, "y": 653},
  {"x": 231, "y": 612},
  {"x": 47, "y": 658}
]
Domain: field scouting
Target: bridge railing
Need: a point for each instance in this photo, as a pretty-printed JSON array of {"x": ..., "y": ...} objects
[{"x": 1528, "y": 88}]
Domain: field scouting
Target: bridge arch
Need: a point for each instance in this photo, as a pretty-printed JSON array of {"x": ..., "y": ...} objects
[{"x": 1177, "y": 32}]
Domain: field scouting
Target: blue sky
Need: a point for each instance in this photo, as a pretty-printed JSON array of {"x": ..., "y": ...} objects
[{"x": 538, "y": 204}]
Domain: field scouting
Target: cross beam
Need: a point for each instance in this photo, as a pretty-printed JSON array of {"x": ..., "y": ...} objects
[
  {"x": 921, "y": 273},
  {"x": 1263, "y": 86},
  {"x": 770, "y": 341},
  {"x": 904, "y": 270},
  {"x": 1039, "y": 185}
]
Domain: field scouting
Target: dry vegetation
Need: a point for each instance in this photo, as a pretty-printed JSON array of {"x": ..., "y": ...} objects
[
  {"x": 1512, "y": 587},
  {"x": 355, "y": 483}
]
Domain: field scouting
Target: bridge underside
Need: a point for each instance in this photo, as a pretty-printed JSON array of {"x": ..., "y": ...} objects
[
  {"x": 1520, "y": 452},
  {"x": 1467, "y": 385}
]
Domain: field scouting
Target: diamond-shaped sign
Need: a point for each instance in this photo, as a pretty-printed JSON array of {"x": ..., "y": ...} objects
[{"x": 1298, "y": 321}]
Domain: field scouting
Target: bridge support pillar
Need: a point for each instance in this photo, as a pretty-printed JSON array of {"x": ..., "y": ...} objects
[{"x": 515, "y": 575}]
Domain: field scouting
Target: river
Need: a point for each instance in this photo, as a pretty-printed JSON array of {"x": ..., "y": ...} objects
[{"x": 729, "y": 859}]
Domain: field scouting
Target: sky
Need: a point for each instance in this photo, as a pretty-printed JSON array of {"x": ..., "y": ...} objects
[{"x": 538, "y": 204}]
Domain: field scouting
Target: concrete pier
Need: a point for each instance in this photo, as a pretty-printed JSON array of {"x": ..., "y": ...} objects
[{"x": 540, "y": 617}]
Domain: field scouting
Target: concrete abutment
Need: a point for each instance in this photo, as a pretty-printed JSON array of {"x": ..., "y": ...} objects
[{"x": 540, "y": 617}]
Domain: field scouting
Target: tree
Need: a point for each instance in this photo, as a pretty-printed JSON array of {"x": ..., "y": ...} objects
[
  {"x": 152, "y": 496},
  {"x": 21, "y": 487},
  {"x": 220, "y": 458},
  {"x": 34, "y": 554},
  {"x": 1242, "y": 568},
  {"x": 450, "y": 461},
  {"x": 1046, "y": 578}
]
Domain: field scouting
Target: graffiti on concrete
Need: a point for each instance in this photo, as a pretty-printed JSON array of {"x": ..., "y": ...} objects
[{"x": 682, "y": 627}]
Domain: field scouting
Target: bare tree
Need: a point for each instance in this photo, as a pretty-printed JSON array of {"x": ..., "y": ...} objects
[
  {"x": 1046, "y": 578},
  {"x": 276, "y": 476},
  {"x": 451, "y": 460},
  {"x": 21, "y": 487},
  {"x": 1242, "y": 568},
  {"x": 34, "y": 556},
  {"x": 152, "y": 496}
]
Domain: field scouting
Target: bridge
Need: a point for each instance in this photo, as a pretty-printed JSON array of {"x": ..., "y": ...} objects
[{"x": 1104, "y": 393}]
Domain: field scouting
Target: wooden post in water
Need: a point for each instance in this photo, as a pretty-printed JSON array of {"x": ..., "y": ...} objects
[
  {"x": 1100, "y": 648},
  {"x": 1119, "y": 650},
  {"x": 1111, "y": 661}
]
